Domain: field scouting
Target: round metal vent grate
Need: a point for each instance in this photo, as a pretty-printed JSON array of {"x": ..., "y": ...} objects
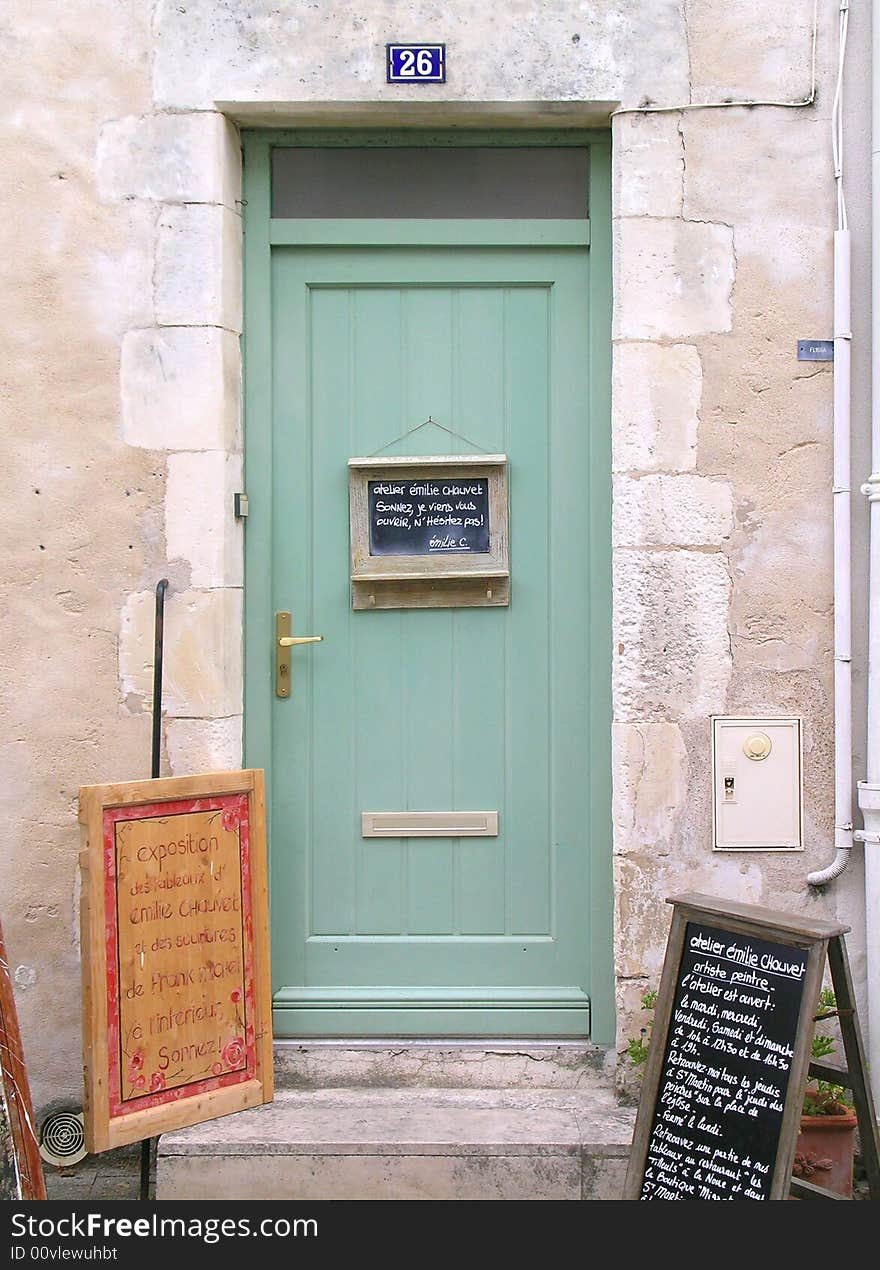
[{"x": 62, "y": 1141}]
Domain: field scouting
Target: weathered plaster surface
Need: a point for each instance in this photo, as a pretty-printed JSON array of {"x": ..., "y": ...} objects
[
  {"x": 206, "y": 51},
  {"x": 75, "y": 276},
  {"x": 122, "y": 280}
]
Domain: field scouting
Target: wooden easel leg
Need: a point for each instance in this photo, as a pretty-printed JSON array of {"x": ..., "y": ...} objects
[{"x": 856, "y": 1065}]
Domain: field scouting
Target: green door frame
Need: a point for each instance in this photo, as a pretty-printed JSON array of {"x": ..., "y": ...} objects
[{"x": 259, "y": 235}]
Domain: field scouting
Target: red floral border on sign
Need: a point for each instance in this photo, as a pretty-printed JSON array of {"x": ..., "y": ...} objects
[{"x": 239, "y": 1048}]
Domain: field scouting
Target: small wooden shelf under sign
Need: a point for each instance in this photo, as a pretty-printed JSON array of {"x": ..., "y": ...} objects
[
  {"x": 422, "y": 575},
  {"x": 429, "y": 531}
]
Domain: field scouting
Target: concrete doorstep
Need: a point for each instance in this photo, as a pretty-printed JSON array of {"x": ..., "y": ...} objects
[{"x": 405, "y": 1143}]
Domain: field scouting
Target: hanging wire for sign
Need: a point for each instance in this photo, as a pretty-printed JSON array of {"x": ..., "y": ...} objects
[{"x": 434, "y": 424}]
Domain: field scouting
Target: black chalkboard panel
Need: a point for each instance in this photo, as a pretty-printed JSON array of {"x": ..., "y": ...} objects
[
  {"x": 730, "y": 1046},
  {"x": 429, "y": 516}
]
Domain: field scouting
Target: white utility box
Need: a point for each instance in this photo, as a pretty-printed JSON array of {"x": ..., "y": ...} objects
[{"x": 757, "y": 784}]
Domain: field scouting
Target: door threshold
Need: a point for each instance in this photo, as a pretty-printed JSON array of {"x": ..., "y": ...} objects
[{"x": 511, "y": 1043}]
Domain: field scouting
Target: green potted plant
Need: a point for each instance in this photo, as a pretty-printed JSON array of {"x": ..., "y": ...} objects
[{"x": 826, "y": 1142}]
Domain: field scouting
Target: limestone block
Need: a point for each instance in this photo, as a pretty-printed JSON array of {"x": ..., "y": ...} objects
[
  {"x": 656, "y": 395},
  {"x": 181, "y": 388},
  {"x": 578, "y": 1065},
  {"x": 186, "y": 158},
  {"x": 604, "y": 1178},
  {"x": 198, "y": 267},
  {"x": 785, "y": 225},
  {"x": 648, "y": 165},
  {"x": 749, "y": 52},
  {"x": 792, "y": 145},
  {"x": 642, "y": 885},
  {"x": 641, "y": 921},
  {"x": 674, "y": 278},
  {"x": 203, "y": 653},
  {"x": 204, "y": 745},
  {"x": 200, "y": 526},
  {"x": 781, "y": 616},
  {"x": 672, "y": 648},
  {"x": 671, "y": 511},
  {"x": 768, "y": 422},
  {"x": 372, "y": 1177},
  {"x": 650, "y": 764},
  {"x": 211, "y": 51}
]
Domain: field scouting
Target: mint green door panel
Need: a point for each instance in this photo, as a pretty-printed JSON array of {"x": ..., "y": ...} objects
[{"x": 470, "y": 709}]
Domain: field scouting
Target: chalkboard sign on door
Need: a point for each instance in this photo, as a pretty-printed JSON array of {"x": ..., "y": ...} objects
[
  {"x": 445, "y": 516},
  {"x": 721, "y": 1100},
  {"x": 429, "y": 531}
]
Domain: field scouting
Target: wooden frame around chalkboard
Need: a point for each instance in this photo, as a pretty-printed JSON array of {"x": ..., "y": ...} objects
[
  {"x": 106, "y": 1125},
  {"x": 421, "y": 581},
  {"x": 813, "y": 936}
]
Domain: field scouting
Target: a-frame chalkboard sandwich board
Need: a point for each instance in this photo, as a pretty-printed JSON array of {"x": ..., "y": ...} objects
[
  {"x": 721, "y": 1100},
  {"x": 177, "y": 1020}
]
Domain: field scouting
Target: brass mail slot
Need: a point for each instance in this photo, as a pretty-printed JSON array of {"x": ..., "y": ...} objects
[{"x": 429, "y": 824}]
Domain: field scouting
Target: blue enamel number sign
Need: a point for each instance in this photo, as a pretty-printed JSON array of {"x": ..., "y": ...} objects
[{"x": 416, "y": 63}]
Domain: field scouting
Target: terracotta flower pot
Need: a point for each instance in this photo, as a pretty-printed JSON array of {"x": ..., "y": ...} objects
[{"x": 824, "y": 1152}]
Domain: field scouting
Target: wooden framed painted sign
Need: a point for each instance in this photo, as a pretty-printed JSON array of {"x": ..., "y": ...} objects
[
  {"x": 429, "y": 532},
  {"x": 175, "y": 953},
  {"x": 723, "y": 1089},
  {"x": 21, "y": 1171}
]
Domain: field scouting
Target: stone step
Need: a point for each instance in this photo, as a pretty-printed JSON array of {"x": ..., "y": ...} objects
[
  {"x": 443, "y": 1064},
  {"x": 405, "y": 1144}
]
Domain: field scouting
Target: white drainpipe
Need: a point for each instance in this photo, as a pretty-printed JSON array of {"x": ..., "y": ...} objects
[
  {"x": 869, "y": 790},
  {"x": 843, "y": 809}
]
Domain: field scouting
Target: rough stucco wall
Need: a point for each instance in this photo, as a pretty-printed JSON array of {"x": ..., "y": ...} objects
[
  {"x": 123, "y": 309},
  {"x": 81, "y": 515}
]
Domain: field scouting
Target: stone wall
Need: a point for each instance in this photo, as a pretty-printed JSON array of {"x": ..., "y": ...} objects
[{"x": 122, "y": 273}]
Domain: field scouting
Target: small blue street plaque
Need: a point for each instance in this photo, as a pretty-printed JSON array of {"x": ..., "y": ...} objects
[
  {"x": 415, "y": 63},
  {"x": 815, "y": 350}
]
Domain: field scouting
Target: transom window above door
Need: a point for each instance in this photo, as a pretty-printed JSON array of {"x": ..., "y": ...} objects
[{"x": 416, "y": 182}]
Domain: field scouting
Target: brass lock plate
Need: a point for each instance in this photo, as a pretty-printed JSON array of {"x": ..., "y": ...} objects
[{"x": 282, "y": 656}]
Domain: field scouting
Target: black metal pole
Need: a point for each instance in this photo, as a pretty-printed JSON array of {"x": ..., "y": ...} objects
[{"x": 158, "y": 655}]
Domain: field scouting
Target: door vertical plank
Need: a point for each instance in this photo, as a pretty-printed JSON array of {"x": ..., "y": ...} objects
[
  {"x": 377, "y": 638},
  {"x": 327, "y": 667},
  {"x": 569, "y": 614},
  {"x": 291, "y": 498},
  {"x": 527, "y": 368},
  {"x": 601, "y": 936},
  {"x": 479, "y": 726},
  {"x": 427, "y": 669}
]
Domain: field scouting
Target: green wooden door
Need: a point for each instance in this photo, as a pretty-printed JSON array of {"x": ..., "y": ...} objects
[{"x": 499, "y": 709}]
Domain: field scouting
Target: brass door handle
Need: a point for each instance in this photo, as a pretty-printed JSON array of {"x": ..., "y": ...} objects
[{"x": 284, "y": 641}]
